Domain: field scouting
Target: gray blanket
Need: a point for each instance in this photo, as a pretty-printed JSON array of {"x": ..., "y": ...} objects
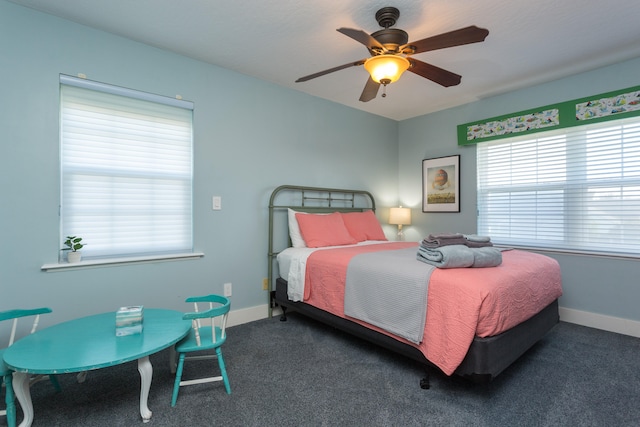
[{"x": 388, "y": 289}]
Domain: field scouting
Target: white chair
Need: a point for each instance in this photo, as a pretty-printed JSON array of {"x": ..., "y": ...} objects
[
  {"x": 210, "y": 336},
  {"x": 6, "y": 374}
]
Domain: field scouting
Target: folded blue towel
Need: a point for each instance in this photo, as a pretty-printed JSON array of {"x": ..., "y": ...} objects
[{"x": 451, "y": 256}]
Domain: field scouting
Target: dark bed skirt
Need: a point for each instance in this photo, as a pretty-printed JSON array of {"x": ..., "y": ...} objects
[{"x": 486, "y": 358}]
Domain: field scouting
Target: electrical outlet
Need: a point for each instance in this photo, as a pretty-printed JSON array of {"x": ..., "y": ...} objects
[
  {"x": 265, "y": 284},
  {"x": 227, "y": 289}
]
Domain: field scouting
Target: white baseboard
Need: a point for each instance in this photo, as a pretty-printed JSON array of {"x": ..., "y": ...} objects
[
  {"x": 583, "y": 318},
  {"x": 246, "y": 315},
  {"x": 600, "y": 321}
]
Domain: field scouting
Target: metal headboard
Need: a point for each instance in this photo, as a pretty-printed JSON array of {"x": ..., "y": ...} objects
[{"x": 307, "y": 199}]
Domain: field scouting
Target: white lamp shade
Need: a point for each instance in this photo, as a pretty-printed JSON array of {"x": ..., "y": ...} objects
[{"x": 400, "y": 216}]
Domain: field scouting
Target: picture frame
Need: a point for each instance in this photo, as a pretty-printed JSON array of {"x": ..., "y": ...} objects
[{"x": 441, "y": 184}]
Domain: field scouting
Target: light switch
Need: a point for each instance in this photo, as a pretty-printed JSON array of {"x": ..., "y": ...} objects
[{"x": 217, "y": 203}]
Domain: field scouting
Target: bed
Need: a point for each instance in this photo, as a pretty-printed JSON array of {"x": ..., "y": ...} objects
[{"x": 478, "y": 342}]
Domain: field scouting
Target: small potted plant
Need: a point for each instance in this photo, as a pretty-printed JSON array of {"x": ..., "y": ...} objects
[{"x": 73, "y": 244}]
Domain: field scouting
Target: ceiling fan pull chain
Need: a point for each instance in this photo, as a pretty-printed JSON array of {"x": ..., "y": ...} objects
[{"x": 384, "y": 91}]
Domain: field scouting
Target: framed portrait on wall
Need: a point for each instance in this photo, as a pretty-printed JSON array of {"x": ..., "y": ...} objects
[{"x": 441, "y": 184}]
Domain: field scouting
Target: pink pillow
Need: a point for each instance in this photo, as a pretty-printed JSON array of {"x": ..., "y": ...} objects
[
  {"x": 324, "y": 230},
  {"x": 363, "y": 226}
]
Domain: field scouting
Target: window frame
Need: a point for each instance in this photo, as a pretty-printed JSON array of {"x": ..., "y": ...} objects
[{"x": 138, "y": 256}]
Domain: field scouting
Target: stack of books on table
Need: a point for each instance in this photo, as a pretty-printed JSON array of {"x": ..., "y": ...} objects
[{"x": 129, "y": 320}]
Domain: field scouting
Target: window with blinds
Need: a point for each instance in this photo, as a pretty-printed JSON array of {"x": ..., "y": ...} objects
[
  {"x": 126, "y": 170},
  {"x": 575, "y": 189}
]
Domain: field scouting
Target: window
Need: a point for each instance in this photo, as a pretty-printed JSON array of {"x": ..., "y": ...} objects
[
  {"x": 126, "y": 170},
  {"x": 575, "y": 189}
]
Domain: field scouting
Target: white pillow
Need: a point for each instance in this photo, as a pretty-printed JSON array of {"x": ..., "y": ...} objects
[{"x": 294, "y": 231}]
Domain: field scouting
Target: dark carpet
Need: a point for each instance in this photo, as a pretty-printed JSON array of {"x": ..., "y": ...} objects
[{"x": 302, "y": 373}]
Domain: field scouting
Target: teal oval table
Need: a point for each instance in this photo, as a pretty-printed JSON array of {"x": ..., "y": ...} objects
[{"x": 91, "y": 343}]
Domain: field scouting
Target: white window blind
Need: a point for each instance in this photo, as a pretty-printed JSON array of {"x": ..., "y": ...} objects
[
  {"x": 575, "y": 189},
  {"x": 126, "y": 170}
]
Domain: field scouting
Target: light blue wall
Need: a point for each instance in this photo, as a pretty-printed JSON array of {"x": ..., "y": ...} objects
[
  {"x": 250, "y": 137},
  {"x": 597, "y": 285}
]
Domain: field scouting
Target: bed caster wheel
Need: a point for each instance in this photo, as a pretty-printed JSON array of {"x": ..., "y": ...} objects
[{"x": 424, "y": 383}]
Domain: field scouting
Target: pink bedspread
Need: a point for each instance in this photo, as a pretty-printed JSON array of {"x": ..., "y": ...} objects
[{"x": 462, "y": 302}]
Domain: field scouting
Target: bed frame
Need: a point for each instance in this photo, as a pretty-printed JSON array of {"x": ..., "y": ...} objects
[{"x": 486, "y": 358}]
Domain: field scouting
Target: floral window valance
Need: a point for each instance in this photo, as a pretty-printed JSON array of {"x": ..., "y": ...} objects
[{"x": 606, "y": 106}]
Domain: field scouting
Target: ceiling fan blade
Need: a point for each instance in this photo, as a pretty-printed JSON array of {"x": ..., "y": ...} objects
[
  {"x": 370, "y": 90},
  {"x": 433, "y": 73},
  {"x": 362, "y": 37},
  {"x": 330, "y": 70},
  {"x": 459, "y": 37}
]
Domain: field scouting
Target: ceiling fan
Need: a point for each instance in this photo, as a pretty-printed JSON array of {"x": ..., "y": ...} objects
[{"x": 391, "y": 54}]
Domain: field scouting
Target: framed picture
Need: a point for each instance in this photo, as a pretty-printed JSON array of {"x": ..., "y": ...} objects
[{"x": 441, "y": 184}]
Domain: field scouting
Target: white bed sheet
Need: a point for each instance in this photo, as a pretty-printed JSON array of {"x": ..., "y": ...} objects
[{"x": 292, "y": 266}]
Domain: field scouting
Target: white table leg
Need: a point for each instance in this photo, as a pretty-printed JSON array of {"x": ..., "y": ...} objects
[
  {"x": 146, "y": 373},
  {"x": 81, "y": 377},
  {"x": 23, "y": 394},
  {"x": 172, "y": 359}
]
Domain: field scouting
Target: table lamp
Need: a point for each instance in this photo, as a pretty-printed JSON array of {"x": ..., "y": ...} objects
[{"x": 400, "y": 216}]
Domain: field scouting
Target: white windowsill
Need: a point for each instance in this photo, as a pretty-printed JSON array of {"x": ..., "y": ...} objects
[{"x": 91, "y": 263}]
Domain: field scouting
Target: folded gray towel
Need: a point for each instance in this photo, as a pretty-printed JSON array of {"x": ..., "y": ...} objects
[
  {"x": 471, "y": 244},
  {"x": 450, "y": 256},
  {"x": 443, "y": 239},
  {"x": 438, "y": 236},
  {"x": 486, "y": 257},
  {"x": 477, "y": 239},
  {"x": 460, "y": 256}
]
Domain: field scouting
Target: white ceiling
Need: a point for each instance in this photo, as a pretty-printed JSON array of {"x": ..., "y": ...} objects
[{"x": 529, "y": 42}]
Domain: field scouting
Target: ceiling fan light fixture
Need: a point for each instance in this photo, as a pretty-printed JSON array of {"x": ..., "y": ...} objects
[{"x": 386, "y": 69}]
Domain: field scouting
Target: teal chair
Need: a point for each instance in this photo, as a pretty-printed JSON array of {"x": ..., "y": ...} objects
[
  {"x": 6, "y": 374},
  {"x": 208, "y": 333}
]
